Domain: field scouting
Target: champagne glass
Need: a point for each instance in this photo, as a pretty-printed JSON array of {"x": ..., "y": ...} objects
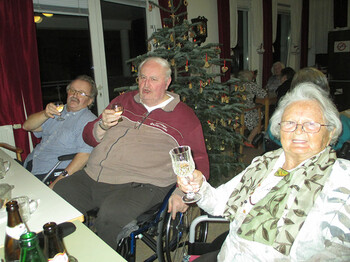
[
  {"x": 183, "y": 166},
  {"x": 119, "y": 109},
  {"x": 59, "y": 106}
]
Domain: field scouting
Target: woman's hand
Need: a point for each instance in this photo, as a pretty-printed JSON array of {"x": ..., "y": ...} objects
[{"x": 191, "y": 183}]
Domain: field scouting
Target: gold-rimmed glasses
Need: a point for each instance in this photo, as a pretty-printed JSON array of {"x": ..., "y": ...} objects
[
  {"x": 72, "y": 91},
  {"x": 307, "y": 127}
]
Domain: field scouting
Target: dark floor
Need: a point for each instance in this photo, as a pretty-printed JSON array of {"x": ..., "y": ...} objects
[{"x": 215, "y": 228}]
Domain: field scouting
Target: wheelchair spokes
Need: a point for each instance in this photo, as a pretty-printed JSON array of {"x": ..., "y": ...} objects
[{"x": 173, "y": 242}]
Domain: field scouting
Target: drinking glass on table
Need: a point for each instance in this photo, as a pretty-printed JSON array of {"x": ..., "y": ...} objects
[
  {"x": 119, "y": 109},
  {"x": 183, "y": 166},
  {"x": 4, "y": 167},
  {"x": 59, "y": 106}
]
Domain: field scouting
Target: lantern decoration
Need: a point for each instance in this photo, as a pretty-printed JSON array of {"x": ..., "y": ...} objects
[
  {"x": 169, "y": 3},
  {"x": 186, "y": 67},
  {"x": 190, "y": 85},
  {"x": 200, "y": 29}
]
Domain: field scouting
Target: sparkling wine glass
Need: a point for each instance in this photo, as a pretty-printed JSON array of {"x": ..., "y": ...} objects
[
  {"x": 59, "y": 106},
  {"x": 183, "y": 166},
  {"x": 119, "y": 109}
]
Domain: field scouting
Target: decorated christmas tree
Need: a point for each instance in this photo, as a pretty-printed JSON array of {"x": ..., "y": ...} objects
[{"x": 196, "y": 78}]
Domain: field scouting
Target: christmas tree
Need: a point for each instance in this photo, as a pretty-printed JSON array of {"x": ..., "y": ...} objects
[{"x": 196, "y": 78}]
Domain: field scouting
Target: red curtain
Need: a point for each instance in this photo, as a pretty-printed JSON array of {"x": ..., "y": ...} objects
[
  {"x": 268, "y": 57},
  {"x": 304, "y": 34},
  {"x": 19, "y": 66},
  {"x": 224, "y": 34}
]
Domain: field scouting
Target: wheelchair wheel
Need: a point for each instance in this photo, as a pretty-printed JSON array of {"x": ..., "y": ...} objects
[{"x": 172, "y": 241}]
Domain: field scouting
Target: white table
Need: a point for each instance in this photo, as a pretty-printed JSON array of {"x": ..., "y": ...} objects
[
  {"x": 52, "y": 208},
  {"x": 86, "y": 246},
  {"x": 83, "y": 244}
]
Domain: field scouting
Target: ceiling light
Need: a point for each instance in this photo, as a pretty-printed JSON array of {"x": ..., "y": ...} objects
[
  {"x": 38, "y": 19},
  {"x": 47, "y": 14}
]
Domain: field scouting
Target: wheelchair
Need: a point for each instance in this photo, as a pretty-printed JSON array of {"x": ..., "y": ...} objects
[
  {"x": 167, "y": 238},
  {"x": 54, "y": 172}
]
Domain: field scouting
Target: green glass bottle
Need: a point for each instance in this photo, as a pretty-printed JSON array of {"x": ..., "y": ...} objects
[{"x": 30, "y": 249}]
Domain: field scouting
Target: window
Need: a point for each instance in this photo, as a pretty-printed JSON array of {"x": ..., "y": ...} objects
[
  {"x": 240, "y": 58},
  {"x": 281, "y": 44}
]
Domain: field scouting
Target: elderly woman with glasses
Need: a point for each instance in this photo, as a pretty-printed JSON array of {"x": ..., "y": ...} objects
[{"x": 292, "y": 204}]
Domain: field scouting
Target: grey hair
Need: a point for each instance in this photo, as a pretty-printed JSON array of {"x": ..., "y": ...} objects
[
  {"x": 90, "y": 81},
  {"x": 163, "y": 62},
  {"x": 245, "y": 75},
  {"x": 310, "y": 74},
  {"x": 277, "y": 63},
  {"x": 304, "y": 92}
]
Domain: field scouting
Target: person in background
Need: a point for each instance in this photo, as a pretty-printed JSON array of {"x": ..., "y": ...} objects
[
  {"x": 313, "y": 75},
  {"x": 287, "y": 75},
  {"x": 291, "y": 204},
  {"x": 62, "y": 137},
  {"x": 129, "y": 170},
  {"x": 275, "y": 79},
  {"x": 251, "y": 91}
]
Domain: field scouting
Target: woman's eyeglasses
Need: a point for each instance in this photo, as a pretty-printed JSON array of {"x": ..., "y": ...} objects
[{"x": 307, "y": 127}]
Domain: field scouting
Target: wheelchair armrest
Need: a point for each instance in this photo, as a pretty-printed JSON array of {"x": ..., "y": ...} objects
[
  {"x": 200, "y": 219},
  {"x": 66, "y": 157}
]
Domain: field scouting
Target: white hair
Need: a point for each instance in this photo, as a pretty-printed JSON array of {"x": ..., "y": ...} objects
[{"x": 304, "y": 92}]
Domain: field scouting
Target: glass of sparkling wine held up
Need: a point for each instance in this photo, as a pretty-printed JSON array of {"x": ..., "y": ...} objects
[
  {"x": 119, "y": 109},
  {"x": 59, "y": 106},
  {"x": 183, "y": 166}
]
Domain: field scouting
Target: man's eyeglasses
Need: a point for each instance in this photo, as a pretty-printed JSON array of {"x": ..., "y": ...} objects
[
  {"x": 307, "y": 127},
  {"x": 72, "y": 91}
]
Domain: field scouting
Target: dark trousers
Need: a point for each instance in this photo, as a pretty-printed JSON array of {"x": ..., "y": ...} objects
[
  {"x": 118, "y": 204},
  {"x": 208, "y": 257}
]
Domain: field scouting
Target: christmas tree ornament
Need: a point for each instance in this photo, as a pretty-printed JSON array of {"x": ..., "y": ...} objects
[
  {"x": 149, "y": 46},
  {"x": 171, "y": 37},
  {"x": 169, "y": 3},
  {"x": 185, "y": 3},
  {"x": 172, "y": 62},
  {"x": 150, "y": 7},
  {"x": 200, "y": 87},
  {"x": 206, "y": 65},
  {"x": 241, "y": 88},
  {"x": 224, "y": 68},
  {"x": 184, "y": 37},
  {"x": 132, "y": 68},
  {"x": 186, "y": 67},
  {"x": 190, "y": 85}
]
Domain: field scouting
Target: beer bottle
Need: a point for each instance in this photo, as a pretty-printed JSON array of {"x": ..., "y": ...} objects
[
  {"x": 30, "y": 250},
  {"x": 14, "y": 229},
  {"x": 53, "y": 246}
]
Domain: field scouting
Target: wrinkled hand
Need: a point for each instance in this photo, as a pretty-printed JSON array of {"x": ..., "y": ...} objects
[
  {"x": 191, "y": 183},
  {"x": 51, "y": 110},
  {"x": 175, "y": 205},
  {"x": 110, "y": 118}
]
